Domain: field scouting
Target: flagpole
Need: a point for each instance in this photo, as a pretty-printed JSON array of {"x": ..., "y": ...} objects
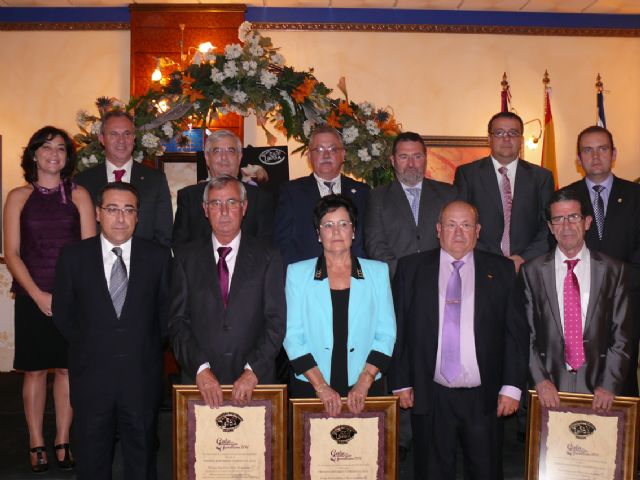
[
  {"x": 601, "y": 120},
  {"x": 505, "y": 94},
  {"x": 548, "y": 140}
]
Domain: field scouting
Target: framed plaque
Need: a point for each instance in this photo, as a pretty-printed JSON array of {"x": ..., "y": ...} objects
[
  {"x": 348, "y": 446},
  {"x": 229, "y": 442},
  {"x": 574, "y": 441}
]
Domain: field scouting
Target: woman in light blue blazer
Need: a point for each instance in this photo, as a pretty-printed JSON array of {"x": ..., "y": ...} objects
[{"x": 340, "y": 320}]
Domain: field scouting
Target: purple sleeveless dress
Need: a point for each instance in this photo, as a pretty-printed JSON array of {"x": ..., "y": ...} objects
[{"x": 49, "y": 220}]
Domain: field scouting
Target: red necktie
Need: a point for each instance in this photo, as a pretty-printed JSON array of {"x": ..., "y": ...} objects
[
  {"x": 223, "y": 273},
  {"x": 505, "y": 244},
  {"x": 573, "y": 347},
  {"x": 119, "y": 174}
]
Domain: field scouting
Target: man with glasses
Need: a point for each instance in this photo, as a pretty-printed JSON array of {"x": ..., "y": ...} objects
[
  {"x": 294, "y": 233},
  {"x": 509, "y": 193},
  {"x": 118, "y": 137},
  {"x": 460, "y": 359},
  {"x": 577, "y": 307},
  {"x": 222, "y": 153},
  {"x": 227, "y": 316},
  {"x": 110, "y": 301}
]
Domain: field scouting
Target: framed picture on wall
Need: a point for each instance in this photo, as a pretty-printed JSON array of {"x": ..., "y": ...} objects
[
  {"x": 181, "y": 171},
  {"x": 444, "y": 154}
]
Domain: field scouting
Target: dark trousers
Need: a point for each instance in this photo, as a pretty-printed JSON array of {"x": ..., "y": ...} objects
[
  {"x": 457, "y": 414},
  {"x": 94, "y": 437}
]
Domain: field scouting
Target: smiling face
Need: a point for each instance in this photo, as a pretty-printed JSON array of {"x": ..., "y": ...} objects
[
  {"x": 458, "y": 229},
  {"x": 51, "y": 157},
  {"x": 118, "y": 139}
]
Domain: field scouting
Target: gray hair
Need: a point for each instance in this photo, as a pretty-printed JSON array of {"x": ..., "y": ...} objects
[
  {"x": 324, "y": 128},
  {"x": 218, "y": 183},
  {"x": 219, "y": 134}
]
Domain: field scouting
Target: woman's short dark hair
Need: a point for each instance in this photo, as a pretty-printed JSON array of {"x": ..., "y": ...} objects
[
  {"x": 37, "y": 140},
  {"x": 331, "y": 203}
]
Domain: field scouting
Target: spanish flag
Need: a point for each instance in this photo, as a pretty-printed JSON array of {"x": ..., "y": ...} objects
[{"x": 549, "y": 141}]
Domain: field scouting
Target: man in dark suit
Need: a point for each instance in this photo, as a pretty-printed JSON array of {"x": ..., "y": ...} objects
[
  {"x": 401, "y": 217},
  {"x": 577, "y": 308},
  {"x": 110, "y": 300},
  {"x": 228, "y": 315},
  {"x": 294, "y": 234},
  {"x": 117, "y": 135},
  {"x": 461, "y": 352},
  {"x": 614, "y": 205},
  {"x": 222, "y": 153},
  {"x": 509, "y": 193}
]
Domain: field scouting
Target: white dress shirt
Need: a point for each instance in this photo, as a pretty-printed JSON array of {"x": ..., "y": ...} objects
[
  {"x": 109, "y": 258},
  {"x": 126, "y": 167},
  {"x": 511, "y": 175},
  {"x": 324, "y": 190}
]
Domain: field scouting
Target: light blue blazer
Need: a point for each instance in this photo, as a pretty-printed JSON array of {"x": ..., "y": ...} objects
[{"x": 372, "y": 321}]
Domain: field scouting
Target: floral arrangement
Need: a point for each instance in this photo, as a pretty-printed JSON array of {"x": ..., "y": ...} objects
[{"x": 249, "y": 78}]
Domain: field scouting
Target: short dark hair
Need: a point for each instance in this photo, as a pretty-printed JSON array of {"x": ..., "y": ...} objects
[
  {"x": 594, "y": 129},
  {"x": 509, "y": 115},
  {"x": 37, "y": 140},
  {"x": 407, "y": 137},
  {"x": 331, "y": 203},
  {"x": 120, "y": 186},
  {"x": 566, "y": 195},
  {"x": 115, "y": 114}
]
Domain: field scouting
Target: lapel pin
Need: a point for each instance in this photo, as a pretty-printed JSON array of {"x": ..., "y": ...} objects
[
  {"x": 620, "y": 200},
  {"x": 353, "y": 190},
  {"x": 489, "y": 276},
  {"x": 141, "y": 178}
]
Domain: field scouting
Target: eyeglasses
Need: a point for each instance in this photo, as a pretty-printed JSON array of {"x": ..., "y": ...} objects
[
  {"x": 113, "y": 211},
  {"x": 571, "y": 218},
  {"x": 506, "y": 133},
  {"x": 332, "y": 150},
  {"x": 217, "y": 152},
  {"x": 591, "y": 150},
  {"x": 465, "y": 227},
  {"x": 340, "y": 224},
  {"x": 231, "y": 203}
]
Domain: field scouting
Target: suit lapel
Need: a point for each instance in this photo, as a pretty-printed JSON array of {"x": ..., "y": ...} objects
[
  {"x": 523, "y": 190},
  {"x": 243, "y": 270},
  {"x": 615, "y": 207},
  {"x": 548, "y": 272},
  {"x": 209, "y": 271},
  {"x": 598, "y": 271},
  {"x": 102, "y": 279},
  {"x": 401, "y": 203},
  {"x": 490, "y": 183}
]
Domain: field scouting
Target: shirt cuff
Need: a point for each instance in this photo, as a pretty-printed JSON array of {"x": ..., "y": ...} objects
[
  {"x": 512, "y": 392},
  {"x": 379, "y": 360},
  {"x": 204, "y": 366},
  {"x": 248, "y": 367},
  {"x": 303, "y": 363},
  {"x": 398, "y": 390}
]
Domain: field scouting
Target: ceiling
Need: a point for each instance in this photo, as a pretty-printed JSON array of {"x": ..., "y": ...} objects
[{"x": 627, "y": 7}]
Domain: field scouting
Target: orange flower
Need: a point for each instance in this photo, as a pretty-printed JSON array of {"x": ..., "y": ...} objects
[
  {"x": 304, "y": 90},
  {"x": 344, "y": 108},
  {"x": 390, "y": 127},
  {"x": 333, "y": 120},
  {"x": 189, "y": 91}
]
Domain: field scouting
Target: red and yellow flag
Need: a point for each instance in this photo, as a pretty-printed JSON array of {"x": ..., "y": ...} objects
[{"x": 549, "y": 140}]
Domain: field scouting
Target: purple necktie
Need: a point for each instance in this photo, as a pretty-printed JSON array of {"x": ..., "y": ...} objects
[
  {"x": 573, "y": 348},
  {"x": 507, "y": 198},
  {"x": 450, "y": 366},
  {"x": 118, "y": 174},
  {"x": 223, "y": 273}
]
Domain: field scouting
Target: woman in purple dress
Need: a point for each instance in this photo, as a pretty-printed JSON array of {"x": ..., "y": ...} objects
[{"x": 39, "y": 219}]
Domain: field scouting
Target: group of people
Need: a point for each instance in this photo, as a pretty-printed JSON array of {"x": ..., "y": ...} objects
[{"x": 451, "y": 297}]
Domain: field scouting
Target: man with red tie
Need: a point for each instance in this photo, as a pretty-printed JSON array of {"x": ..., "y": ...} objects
[
  {"x": 577, "y": 308},
  {"x": 227, "y": 316}
]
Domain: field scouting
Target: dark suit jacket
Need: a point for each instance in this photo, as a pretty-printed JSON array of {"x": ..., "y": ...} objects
[
  {"x": 113, "y": 358},
  {"x": 390, "y": 229},
  {"x": 529, "y": 234},
  {"x": 606, "y": 329},
  {"x": 251, "y": 329},
  {"x": 500, "y": 328},
  {"x": 294, "y": 234},
  {"x": 155, "y": 217},
  {"x": 191, "y": 224}
]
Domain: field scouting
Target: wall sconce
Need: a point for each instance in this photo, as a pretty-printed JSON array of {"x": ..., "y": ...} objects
[
  {"x": 533, "y": 140},
  {"x": 156, "y": 76}
]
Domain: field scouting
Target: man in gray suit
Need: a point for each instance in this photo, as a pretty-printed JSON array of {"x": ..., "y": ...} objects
[
  {"x": 577, "y": 308},
  {"x": 227, "y": 315},
  {"x": 401, "y": 216}
]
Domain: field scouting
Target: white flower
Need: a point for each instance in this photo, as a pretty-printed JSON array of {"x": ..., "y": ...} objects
[
  {"x": 250, "y": 67},
  {"x": 287, "y": 99},
  {"x": 216, "y": 75},
  {"x": 277, "y": 59},
  {"x": 196, "y": 105},
  {"x": 138, "y": 157},
  {"x": 81, "y": 117},
  {"x": 210, "y": 56},
  {"x": 232, "y": 51},
  {"x": 349, "y": 134},
  {"x": 372, "y": 127},
  {"x": 366, "y": 108},
  {"x": 167, "y": 129},
  {"x": 95, "y": 127},
  {"x": 240, "y": 97},
  {"x": 243, "y": 30},
  {"x": 230, "y": 70},
  {"x": 364, "y": 155},
  {"x": 87, "y": 162},
  {"x": 256, "y": 50},
  {"x": 376, "y": 149},
  {"x": 268, "y": 79},
  {"x": 149, "y": 140},
  {"x": 307, "y": 126}
]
